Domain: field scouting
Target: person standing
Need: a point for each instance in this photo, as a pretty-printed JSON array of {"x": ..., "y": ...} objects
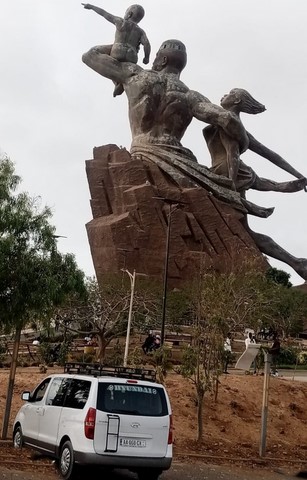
[
  {"x": 274, "y": 351},
  {"x": 227, "y": 352},
  {"x": 250, "y": 339}
]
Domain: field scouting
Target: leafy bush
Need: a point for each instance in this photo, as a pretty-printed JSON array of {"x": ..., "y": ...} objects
[
  {"x": 135, "y": 358},
  {"x": 288, "y": 355},
  {"x": 115, "y": 357},
  {"x": 63, "y": 353},
  {"x": 2, "y": 352},
  {"x": 45, "y": 353},
  {"x": 302, "y": 358}
]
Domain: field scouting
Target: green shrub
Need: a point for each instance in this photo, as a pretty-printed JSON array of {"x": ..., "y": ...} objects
[
  {"x": 135, "y": 358},
  {"x": 288, "y": 355},
  {"x": 115, "y": 357},
  {"x": 302, "y": 358}
]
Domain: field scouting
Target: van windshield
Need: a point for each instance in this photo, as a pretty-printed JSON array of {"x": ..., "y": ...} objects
[{"x": 132, "y": 399}]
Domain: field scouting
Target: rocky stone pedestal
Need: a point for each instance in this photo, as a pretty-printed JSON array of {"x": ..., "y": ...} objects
[{"x": 129, "y": 225}]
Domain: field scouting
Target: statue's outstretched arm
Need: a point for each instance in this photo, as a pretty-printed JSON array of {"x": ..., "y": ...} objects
[
  {"x": 108, "y": 16},
  {"x": 273, "y": 157},
  {"x": 107, "y": 66},
  {"x": 147, "y": 47},
  {"x": 206, "y": 111}
]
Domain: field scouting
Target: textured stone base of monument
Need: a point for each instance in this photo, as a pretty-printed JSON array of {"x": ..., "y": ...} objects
[{"x": 129, "y": 226}]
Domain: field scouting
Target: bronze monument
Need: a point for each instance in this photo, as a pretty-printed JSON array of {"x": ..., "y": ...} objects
[{"x": 211, "y": 226}]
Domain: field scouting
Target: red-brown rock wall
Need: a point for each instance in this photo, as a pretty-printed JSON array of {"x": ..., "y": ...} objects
[{"x": 129, "y": 225}]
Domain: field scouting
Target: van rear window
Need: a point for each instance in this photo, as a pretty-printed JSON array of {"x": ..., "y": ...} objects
[{"x": 131, "y": 399}]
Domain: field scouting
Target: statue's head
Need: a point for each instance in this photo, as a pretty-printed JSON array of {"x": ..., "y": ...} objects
[
  {"x": 241, "y": 100},
  {"x": 134, "y": 13},
  {"x": 172, "y": 53}
]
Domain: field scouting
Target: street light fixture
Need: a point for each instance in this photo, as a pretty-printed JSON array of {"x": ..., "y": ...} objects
[{"x": 176, "y": 204}]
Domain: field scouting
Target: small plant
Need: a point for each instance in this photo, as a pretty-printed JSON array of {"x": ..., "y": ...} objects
[
  {"x": 2, "y": 353},
  {"x": 161, "y": 360},
  {"x": 288, "y": 355},
  {"x": 116, "y": 355},
  {"x": 63, "y": 352},
  {"x": 45, "y": 353},
  {"x": 135, "y": 358}
]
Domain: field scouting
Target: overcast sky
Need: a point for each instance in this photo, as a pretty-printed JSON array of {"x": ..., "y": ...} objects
[{"x": 54, "y": 109}]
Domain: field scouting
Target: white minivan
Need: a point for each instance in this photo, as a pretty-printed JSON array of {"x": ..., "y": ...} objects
[{"x": 91, "y": 415}]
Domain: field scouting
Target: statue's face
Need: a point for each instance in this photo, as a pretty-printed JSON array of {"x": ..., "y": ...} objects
[
  {"x": 229, "y": 100},
  {"x": 159, "y": 62}
]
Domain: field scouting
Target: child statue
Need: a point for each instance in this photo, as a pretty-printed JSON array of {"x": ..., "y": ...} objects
[{"x": 128, "y": 37}]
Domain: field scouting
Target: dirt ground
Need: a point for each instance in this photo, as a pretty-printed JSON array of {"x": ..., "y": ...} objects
[{"x": 231, "y": 425}]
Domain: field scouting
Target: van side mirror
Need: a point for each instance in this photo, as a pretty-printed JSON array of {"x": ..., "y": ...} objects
[{"x": 25, "y": 396}]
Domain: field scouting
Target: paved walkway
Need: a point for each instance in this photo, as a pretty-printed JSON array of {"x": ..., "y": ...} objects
[{"x": 177, "y": 472}]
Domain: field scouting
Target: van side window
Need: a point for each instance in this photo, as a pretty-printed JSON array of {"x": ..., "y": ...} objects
[
  {"x": 57, "y": 391},
  {"x": 77, "y": 393},
  {"x": 38, "y": 394}
]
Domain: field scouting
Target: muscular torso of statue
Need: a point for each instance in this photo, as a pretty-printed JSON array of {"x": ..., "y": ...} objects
[{"x": 159, "y": 108}]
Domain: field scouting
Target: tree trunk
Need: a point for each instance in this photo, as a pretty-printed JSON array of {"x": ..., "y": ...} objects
[
  {"x": 10, "y": 388},
  {"x": 102, "y": 345},
  {"x": 216, "y": 390},
  {"x": 200, "y": 396}
]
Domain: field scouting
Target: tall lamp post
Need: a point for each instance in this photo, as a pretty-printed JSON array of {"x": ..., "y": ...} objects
[
  {"x": 172, "y": 206},
  {"x": 132, "y": 280},
  {"x": 132, "y": 277}
]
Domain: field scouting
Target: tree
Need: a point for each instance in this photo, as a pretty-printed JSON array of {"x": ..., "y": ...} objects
[
  {"x": 34, "y": 276},
  {"x": 279, "y": 277},
  {"x": 290, "y": 311},
  {"x": 237, "y": 299},
  {"x": 223, "y": 302},
  {"x": 202, "y": 361},
  {"x": 104, "y": 313}
]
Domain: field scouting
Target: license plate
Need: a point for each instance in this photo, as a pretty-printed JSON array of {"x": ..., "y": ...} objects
[{"x": 132, "y": 442}]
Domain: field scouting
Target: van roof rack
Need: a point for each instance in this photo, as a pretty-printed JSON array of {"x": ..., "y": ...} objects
[{"x": 98, "y": 370}]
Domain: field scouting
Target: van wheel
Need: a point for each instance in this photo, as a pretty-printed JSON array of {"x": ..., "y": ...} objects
[
  {"x": 66, "y": 463},
  {"x": 149, "y": 474},
  {"x": 18, "y": 438}
]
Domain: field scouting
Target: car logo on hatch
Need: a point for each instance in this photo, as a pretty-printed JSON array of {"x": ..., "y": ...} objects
[{"x": 135, "y": 425}]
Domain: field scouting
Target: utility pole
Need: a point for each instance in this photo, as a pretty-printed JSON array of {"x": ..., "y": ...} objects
[
  {"x": 265, "y": 402},
  {"x": 132, "y": 277},
  {"x": 172, "y": 206},
  {"x": 132, "y": 280}
]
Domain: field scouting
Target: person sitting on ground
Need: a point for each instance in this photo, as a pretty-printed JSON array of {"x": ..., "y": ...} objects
[{"x": 128, "y": 37}]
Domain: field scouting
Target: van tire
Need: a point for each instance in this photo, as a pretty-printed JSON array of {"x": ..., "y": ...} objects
[
  {"x": 66, "y": 464},
  {"x": 18, "y": 438},
  {"x": 149, "y": 474}
]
